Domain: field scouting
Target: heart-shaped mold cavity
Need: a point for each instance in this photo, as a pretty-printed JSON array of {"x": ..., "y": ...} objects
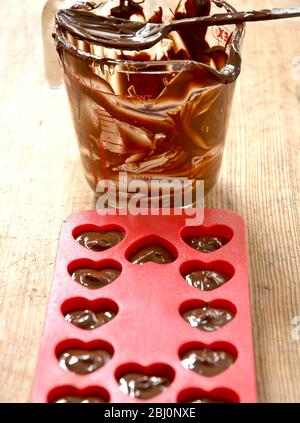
[
  {"x": 144, "y": 382},
  {"x": 98, "y": 239},
  {"x": 208, "y": 317},
  {"x": 207, "y": 360},
  {"x": 81, "y": 358},
  {"x": 94, "y": 275},
  {"x": 206, "y": 239},
  {"x": 87, "y": 314},
  {"x": 151, "y": 249},
  {"x": 70, "y": 394},
  {"x": 198, "y": 396},
  {"x": 206, "y": 277}
]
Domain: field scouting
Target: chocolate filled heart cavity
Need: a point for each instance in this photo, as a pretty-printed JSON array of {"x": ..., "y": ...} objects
[
  {"x": 206, "y": 244},
  {"x": 208, "y": 399},
  {"x": 82, "y": 361},
  {"x": 142, "y": 386},
  {"x": 207, "y": 362},
  {"x": 88, "y": 319},
  {"x": 93, "y": 278},
  {"x": 100, "y": 241},
  {"x": 155, "y": 253},
  {"x": 206, "y": 280},
  {"x": 72, "y": 399},
  {"x": 208, "y": 318}
]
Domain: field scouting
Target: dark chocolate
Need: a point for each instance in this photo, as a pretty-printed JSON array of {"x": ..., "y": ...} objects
[
  {"x": 207, "y": 362},
  {"x": 88, "y": 319},
  {"x": 100, "y": 241},
  {"x": 72, "y": 399},
  {"x": 206, "y": 244},
  {"x": 206, "y": 280},
  {"x": 154, "y": 253},
  {"x": 118, "y": 31},
  {"x": 208, "y": 318},
  {"x": 139, "y": 385},
  {"x": 126, "y": 9},
  {"x": 83, "y": 361},
  {"x": 93, "y": 278},
  {"x": 209, "y": 400},
  {"x": 165, "y": 124}
]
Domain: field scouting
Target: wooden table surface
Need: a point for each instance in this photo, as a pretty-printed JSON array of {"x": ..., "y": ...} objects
[{"x": 42, "y": 183}]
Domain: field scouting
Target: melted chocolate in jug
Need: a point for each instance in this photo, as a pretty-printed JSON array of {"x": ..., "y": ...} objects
[
  {"x": 208, "y": 400},
  {"x": 168, "y": 121}
]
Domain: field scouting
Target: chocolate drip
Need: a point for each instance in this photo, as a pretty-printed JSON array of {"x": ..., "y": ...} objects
[
  {"x": 72, "y": 399},
  {"x": 206, "y": 244},
  {"x": 154, "y": 253},
  {"x": 206, "y": 280},
  {"x": 94, "y": 279},
  {"x": 83, "y": 361},
  {"x": 208, "y": 318},
  {"x": 207, "y": 362},
  {"x": 100, "y": 241},
  {"x": 88, "y": 319},
  {"x": 138, "y": 385}
]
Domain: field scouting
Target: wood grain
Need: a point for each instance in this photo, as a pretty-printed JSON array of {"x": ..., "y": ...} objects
[{"x": 42, "y": 183}]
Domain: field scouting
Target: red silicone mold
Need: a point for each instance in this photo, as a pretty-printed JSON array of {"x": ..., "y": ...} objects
[{"x": 148, "y": 333}]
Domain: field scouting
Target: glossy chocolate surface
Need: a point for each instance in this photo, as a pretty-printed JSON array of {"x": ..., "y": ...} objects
[
  {"x": 100, "y": 241},
  {"x": 118, "y": 31},
  {"x": 154, "y": 253},
  {"x": 88, "y": 319},
  {"x": 83, "y": 361},
  {"x": 207, "y": 362},
  {"x": 206, "y": 280},
  {"x": 93, "y": 278},
  {"x": 206, "y": 244},
  {"x": 208, "y": 318},
  {"x": 139, "y": 385}
]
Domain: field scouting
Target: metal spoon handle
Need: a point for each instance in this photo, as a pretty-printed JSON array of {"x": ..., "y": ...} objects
[{"x": 238, "y": 17}]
